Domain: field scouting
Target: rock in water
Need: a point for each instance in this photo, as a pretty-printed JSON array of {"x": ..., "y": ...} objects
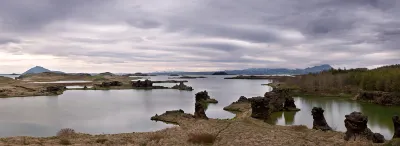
[
  {"x": 319, "y": 119},
  {"x": 199, "y": 111},
  {"x": 275, "y": 100},
  {"x": 289, "y": 104},
  {"x": 357, "y": 129},
  {"x": 55, "y": 89},
  {"x": 202, "y": 96},
  {"x": 142, "y": 84},
  {"x": 182, "y": 86},
  {"x": 396, "y": 122},
  {"x": 260, "y": 108}
]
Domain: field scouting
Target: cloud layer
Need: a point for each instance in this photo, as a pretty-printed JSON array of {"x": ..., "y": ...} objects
[{"x": 196, "y": 35}]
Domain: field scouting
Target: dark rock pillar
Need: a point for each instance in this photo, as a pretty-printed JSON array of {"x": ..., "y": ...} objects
[
  {"x": 396, "y": 122},
  {"x": 357, "y": 129},
  {"x": 289, "y": 104},
  {"x": 319, "y": 119},
  {"x": 199, "y": 111},
  {"x": 260, "y": 108}
]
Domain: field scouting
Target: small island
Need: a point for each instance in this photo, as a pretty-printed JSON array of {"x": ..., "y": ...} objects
[{"x": 220, "y": 73}]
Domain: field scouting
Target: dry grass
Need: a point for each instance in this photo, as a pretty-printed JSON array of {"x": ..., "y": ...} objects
[
  {"x": 202, "y": 138},
  {"x": 66, "y": 132},
  {"x": 65, "y": 142},
  {"x": 299, "y": 127},
  {"x": 156, "y": 137}
]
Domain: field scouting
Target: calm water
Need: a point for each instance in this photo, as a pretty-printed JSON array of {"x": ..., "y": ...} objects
[
  {"x": 380, "y": 117},
  {"x": 10, "y": 76},
  {"x": 118, "y": 111}
]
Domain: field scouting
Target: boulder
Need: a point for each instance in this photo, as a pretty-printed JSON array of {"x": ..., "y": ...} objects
[
  {"x": 182, "y": 86},
  {"x": 199, "y": 111},
  {"x": 396, "y": 122},
  {"x": 319, "y": 119},
  {"x": 260, "y": 108},
  {"x": 357, "y": 129}
]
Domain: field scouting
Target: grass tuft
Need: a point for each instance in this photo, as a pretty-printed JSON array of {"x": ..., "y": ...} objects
[{"x": 202, "y": 138}]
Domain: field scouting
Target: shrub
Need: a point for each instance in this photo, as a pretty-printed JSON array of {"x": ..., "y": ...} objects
[
  {"x": 65, "y": 142},
  {"x": 66, "y": 132},
  {"x": 201, "y": 138},
  {"x": 101, "y": 140}
]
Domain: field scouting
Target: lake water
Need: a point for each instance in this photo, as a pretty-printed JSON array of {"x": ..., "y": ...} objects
[
  {"x": 119, "y": 111},
  {"x": 379, "y": 117},
  {"x": 116, "y": 111},
  {"x": 8, "y": 75}
]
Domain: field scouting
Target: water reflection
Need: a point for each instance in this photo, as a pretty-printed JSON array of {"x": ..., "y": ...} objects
[
  {"x": 335, "y": 110},
  {"x": 116, "y": 111}
]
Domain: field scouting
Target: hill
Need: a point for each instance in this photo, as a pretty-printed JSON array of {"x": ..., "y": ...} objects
[{"x": 39, "y": 69}]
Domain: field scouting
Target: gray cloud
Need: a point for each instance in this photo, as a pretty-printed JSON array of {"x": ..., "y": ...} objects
[{"x": 201, "y": 35}]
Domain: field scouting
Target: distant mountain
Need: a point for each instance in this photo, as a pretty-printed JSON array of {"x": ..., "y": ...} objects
[
  {"x": 260, "y": 71},
  {"x": 39, "y": 69}
]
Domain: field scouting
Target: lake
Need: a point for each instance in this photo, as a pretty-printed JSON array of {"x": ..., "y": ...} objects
[{"x": 120, "y": 111}]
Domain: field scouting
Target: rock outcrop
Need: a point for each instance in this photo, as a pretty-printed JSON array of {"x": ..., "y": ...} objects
[
  {"x": 204, "y": 97},
  {"x": 379, "y": 97},
  {"x": 289, "y": 104},
  {"x": 182, "y": 86},
  {"x": 173, "y": 116},
  {"x": 242, "y": 99},
  {"x": 396, "y": 122},
  {"x": 280, "y": 100},
  {"x": 199, "y": 111},
  {"x": 319, "y": 119},
  {"x": 260, "y": 108},
  {"x": 56, "y": 89},
  {"x": 357, "y": 129},
  {"x": 276, "y": 102},
  {"x": 242, "y": 105},
  {"x": 110, "y": 84},
  {"x": 142, "y": 84}
]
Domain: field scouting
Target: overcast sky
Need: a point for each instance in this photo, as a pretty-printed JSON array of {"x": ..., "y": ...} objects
[{"x": 196, "y": 35}]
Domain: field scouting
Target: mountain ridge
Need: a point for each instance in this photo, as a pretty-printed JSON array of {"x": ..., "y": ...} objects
[{"x": 257, "y": 71}]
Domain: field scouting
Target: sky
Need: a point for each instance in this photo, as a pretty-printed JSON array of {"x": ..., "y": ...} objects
[{"x": 196, "y": 35}]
